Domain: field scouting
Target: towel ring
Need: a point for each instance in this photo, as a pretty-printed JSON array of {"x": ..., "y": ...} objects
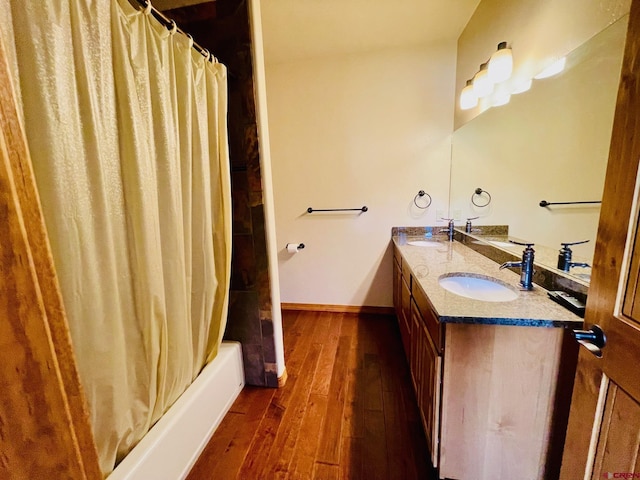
[
  {"x": 479, "y": 192},
  {"x": 421, "y": 194}
]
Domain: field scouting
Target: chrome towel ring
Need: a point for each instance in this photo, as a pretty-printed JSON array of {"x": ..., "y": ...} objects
[
  {"x": 482, "y": 194},
  {"x": 421, "y": 194}
]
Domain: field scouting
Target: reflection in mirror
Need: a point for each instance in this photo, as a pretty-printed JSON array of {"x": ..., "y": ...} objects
[{"x": 550, "y": 143}]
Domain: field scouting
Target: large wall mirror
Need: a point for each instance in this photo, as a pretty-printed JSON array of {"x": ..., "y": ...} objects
[{"x": 549, "y": 143}]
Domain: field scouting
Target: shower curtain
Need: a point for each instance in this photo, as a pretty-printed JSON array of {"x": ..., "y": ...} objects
[{"x": 126, "y": 125}]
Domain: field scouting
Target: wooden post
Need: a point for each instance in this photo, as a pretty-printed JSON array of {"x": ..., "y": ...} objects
[{"x": 44, "y": 425}]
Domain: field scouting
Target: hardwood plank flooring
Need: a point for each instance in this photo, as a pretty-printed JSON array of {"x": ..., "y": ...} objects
[{"x": 347, "y": 410}]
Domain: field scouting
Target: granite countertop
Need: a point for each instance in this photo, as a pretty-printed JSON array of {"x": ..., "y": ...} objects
[{"x": 427, "y": 264}]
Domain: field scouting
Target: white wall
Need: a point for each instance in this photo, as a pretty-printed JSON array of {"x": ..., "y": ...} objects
[
  {"x": 351, "y": 130},
  {"x": 374, "y": 128}
]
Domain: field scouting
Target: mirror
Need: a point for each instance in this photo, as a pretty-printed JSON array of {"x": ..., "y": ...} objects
[{"x": 549, "y": 143}]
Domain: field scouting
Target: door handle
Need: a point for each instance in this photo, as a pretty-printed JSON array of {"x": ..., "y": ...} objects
[{"x": 593, "y": 339}]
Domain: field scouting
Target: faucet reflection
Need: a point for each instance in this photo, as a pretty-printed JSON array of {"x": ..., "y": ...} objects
[{"x": 564, "y": 257}]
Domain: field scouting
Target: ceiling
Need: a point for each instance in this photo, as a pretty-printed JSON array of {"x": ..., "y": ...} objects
[{"x": 300, "y": 29}]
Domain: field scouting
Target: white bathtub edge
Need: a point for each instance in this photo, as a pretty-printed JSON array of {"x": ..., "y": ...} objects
[{"x": 174, "y": 443}]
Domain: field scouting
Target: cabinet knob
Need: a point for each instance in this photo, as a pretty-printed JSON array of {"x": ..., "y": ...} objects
[{"x": 593, "y": 339}]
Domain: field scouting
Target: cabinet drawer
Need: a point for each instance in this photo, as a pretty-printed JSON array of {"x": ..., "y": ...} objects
[{"x": 430, "y": 320}]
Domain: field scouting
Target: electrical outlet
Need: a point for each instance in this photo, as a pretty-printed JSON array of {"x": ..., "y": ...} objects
[{"x": 457, "y": 215}]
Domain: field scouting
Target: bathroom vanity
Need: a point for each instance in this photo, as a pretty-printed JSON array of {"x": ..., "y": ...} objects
[{"x": 492, "y": 379}]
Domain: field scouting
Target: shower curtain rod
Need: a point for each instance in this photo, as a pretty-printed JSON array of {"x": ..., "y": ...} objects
[{"x": 170, "y": 24}]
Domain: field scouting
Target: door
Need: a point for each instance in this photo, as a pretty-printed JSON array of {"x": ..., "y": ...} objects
[{"x": 603, "y": 435}]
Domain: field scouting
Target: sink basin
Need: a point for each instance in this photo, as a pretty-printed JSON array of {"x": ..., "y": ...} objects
[
  {"x": 478, "y": 287},
  {"x": 424, "y": 243}
]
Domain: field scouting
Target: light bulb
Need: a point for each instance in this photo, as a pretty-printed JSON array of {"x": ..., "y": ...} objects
[
  {"x": 522, "y": 87},
  {"x": 482, "y": 84},
  {"x": 468, "y": 99},
  {"x": 500, "y": 98},
  {"x": 553, "y": 69},
  {"x": 501, "y": 64}
]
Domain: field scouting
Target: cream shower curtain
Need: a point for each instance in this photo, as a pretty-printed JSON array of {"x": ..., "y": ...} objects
[{"x": 126, "y": 125}]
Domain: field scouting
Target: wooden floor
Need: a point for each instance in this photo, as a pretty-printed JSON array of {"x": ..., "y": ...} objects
[{"x": 347, "y": 410}]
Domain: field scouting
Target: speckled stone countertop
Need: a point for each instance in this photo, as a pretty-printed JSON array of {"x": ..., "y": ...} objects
[{"x": 427, "y": 264}]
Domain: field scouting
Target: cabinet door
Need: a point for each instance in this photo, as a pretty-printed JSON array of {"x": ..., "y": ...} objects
[
  {"x": 502, "y": 388},
  {"x": 428, "y": 373},
  {"x": 430, "y": 398},
  {"x": 404, "y": 317},
  {"x": 401, "y": 302},
  {"x": 397, "y": 287},
  {"x": 415, "y": 352}
]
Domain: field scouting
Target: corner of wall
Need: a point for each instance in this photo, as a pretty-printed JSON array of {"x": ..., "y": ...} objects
[{"x": 267, "y": 184}]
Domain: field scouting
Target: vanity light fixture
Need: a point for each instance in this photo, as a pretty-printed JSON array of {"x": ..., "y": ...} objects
[
  {"x": 494, "y": 71},
  {"x": 468, "y": 98},
  {"x": 482, "y": 84},
  {"x": 553, "y": 69},
  {"x": 501, "y": 64},
  {"x": 522, "y": 87},
  {"x": 500, "y": 98}
]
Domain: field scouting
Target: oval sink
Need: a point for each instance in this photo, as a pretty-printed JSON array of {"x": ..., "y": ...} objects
[
  {"x": 424, "y": 243},
  {"x": 478, "y": 287}
]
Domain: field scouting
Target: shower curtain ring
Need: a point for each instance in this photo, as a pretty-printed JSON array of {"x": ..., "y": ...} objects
[
  {"x": 174, "y": 27},
  {"x": 190, "y": 40},
  {"x": 148, "y": 7}
]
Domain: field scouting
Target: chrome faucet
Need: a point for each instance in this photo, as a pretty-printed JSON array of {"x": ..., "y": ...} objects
[
  {"x": 526, "y": 265},
  {"x": 564, "y": 257},
  {"x": 467, "y": 227},
  {"x": 449, "y": 230}
]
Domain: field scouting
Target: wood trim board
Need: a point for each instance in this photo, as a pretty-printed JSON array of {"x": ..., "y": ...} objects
[
  {"x": 44, "y": 422},
  {"x": 317, "y": 307}
]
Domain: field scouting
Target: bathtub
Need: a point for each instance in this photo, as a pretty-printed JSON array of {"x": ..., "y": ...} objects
[{"x": 174, "y": 443}]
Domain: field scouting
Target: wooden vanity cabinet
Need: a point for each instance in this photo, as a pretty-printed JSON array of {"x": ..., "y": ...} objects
[
  {"x": 493, "y": 399},
  {"x": 505, "y": 401},
  {"x": 420, "y": 332}
]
